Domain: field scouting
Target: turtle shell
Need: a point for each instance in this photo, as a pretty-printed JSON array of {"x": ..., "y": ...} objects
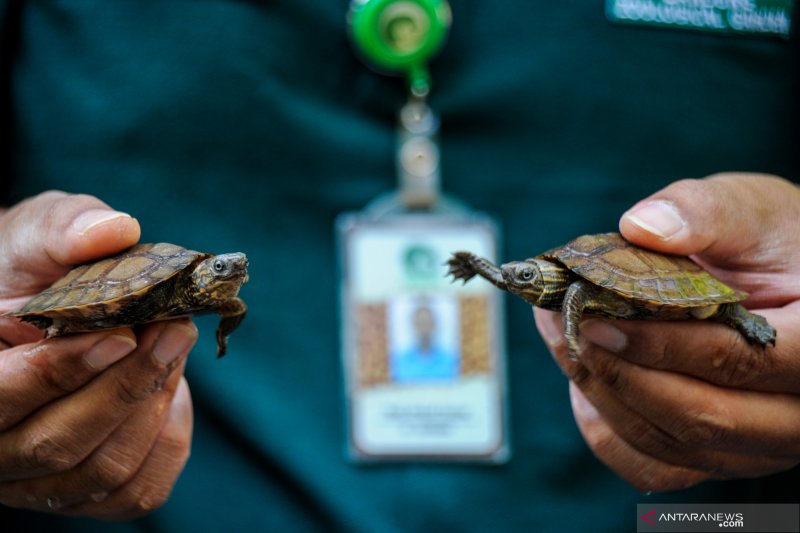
[
  {"x": 609, "y": 261},
  {"x": 103, "y": 287}
]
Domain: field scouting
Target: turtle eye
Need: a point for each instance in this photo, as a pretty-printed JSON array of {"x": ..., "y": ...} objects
[
  {"x": 219, "y": 266},
  {"x": 526, "y": 274}
]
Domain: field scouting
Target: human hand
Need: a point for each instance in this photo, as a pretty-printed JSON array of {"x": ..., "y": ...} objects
[
  {"x": 96, "y": 424},
  {"x": 670, "y": 404}
]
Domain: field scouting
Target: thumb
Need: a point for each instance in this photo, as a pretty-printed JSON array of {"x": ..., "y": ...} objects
[
  {"x": 736, "y": 220},
  {"x": 44, "y": 236}
]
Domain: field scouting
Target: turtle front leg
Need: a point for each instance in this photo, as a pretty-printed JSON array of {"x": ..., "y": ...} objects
[
  {"x": 583, "y": 298},
  {"x": 575, "y": 301},
  {"x": 232, "y": 312},
  {"x": 754, "y": 328},
  {"x": 464, "y": 266}
]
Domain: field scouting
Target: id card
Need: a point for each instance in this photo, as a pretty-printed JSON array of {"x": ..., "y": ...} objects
[{"x": 423, "y": 357}]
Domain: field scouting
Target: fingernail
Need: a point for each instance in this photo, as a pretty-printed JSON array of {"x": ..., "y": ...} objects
[
  {"x": 108, "y": 351},
  {"x": 658, "y": 217},
  {"x": 93, "y": 218},
  {"x": 582, "y": 407},
  {"x": 176, "y": 340},
  {"x": 604, "y": 335},
  {"x": 550, "y": 328},
  {"x": 98, "y": 496}
]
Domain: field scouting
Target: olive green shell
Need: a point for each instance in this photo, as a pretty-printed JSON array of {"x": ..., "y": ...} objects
[
  {"x": 109, "y": 283},
  {"x": 611, "y": 262}
]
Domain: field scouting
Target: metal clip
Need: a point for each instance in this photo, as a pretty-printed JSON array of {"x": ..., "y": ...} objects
[{"x": 418, "y": 159}]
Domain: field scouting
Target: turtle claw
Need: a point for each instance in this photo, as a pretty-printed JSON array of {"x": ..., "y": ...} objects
[
  {"x": 54, "y": 329},
  {"x": 465, "y": 265},
  {"x": 461, "y": 266}
]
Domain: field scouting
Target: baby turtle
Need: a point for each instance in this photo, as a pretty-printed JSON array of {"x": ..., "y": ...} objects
[
  {"x": 605, "y": 275},
  {"x": 145, "y": 283}
]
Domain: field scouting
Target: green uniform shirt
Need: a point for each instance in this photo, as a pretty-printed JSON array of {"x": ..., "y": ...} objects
[{"x": 248, "y": 126}]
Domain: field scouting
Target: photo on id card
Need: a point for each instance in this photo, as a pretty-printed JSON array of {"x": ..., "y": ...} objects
[{"x": 423, "y": 357}]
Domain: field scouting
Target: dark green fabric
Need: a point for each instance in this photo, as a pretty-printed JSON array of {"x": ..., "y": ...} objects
[{"x": 249, "y": 125}]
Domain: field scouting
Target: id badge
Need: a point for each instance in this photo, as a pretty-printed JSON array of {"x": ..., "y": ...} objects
[{"x": 423, "y": 358}]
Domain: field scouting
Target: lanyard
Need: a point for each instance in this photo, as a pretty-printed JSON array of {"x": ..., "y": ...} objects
[{"x": 423, "y": 359}]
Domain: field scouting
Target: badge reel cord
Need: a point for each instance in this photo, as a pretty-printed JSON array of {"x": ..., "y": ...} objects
[{"x": 400, "y": 37}]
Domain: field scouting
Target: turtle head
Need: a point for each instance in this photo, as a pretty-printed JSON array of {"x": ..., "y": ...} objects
[
  {"x": 524, "y": 278},
  {"x": 538, "y": 281},
  {"x": 219, "y": 277}
]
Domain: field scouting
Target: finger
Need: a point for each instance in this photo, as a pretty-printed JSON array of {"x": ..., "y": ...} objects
[
  {"x": 43, "y": 236},
  {"x": 644, "y": 472},
  {"x": 690, "y": 414},
  {"x": 720, "y": 216},
  {"x": 153, "y": 482},
  {"x": 712, "y": 352},
  {"x": 61, "y": 435},
  {"x": 642, "y": 435},
  {"x": 33, "y": 375},
  {"x": 742, "y": 226},
  {"x": 635, "y": 425},
  {"x": 13, "y": 332},
  {"x": 114, "y": 463},
  {"x": 550, "y": 328}
]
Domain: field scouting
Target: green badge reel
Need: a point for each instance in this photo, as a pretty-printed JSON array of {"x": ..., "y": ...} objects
[{"x": 400, "y": 36}]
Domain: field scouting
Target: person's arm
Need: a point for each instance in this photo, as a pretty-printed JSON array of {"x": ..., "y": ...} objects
[
  {"x": 95, "y": 424},
  {"x": 669, "y": 404}
]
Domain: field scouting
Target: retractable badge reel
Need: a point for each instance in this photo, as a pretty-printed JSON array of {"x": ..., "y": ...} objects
[
  {"x": 423, "y": 358},
  {"x": 400, "y": 37}
]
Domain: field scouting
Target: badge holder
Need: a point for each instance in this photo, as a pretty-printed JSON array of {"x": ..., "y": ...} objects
[{"x": 423, "y": 358}]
